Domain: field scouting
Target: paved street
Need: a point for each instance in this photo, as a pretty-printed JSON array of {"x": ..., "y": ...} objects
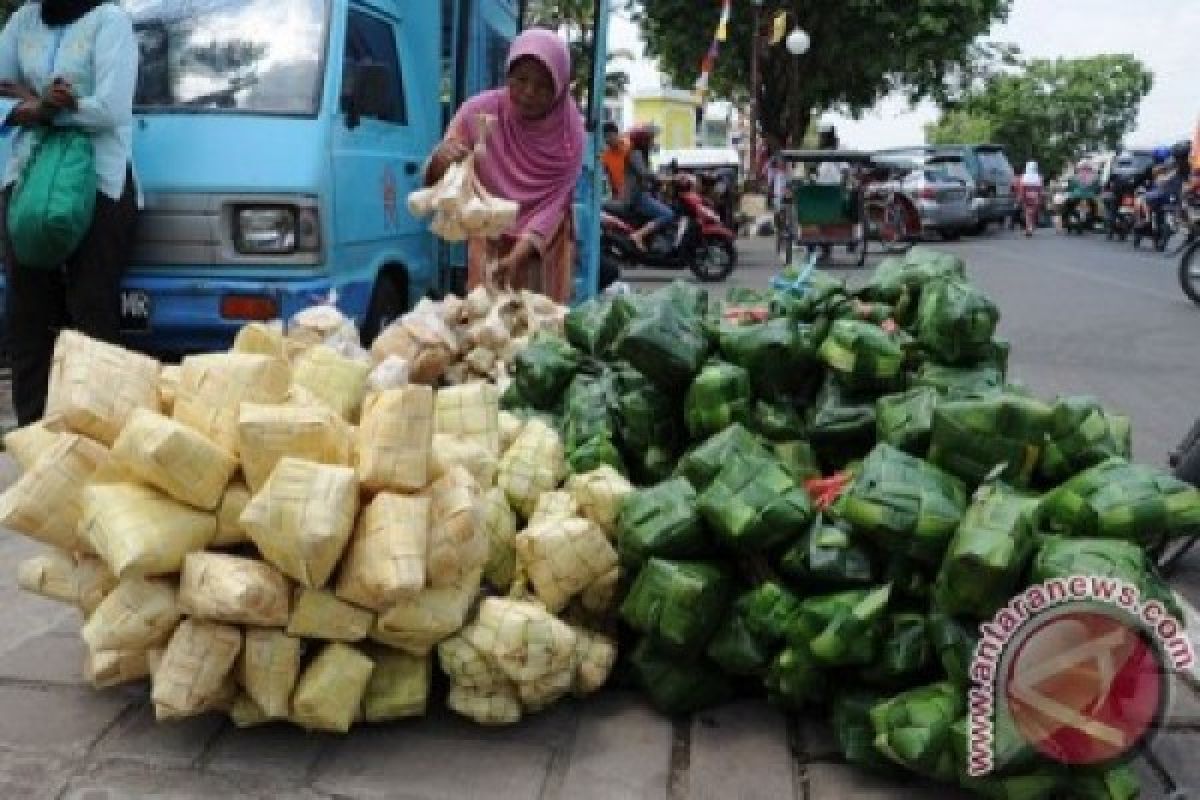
[{"x": 1083, "y": 316}]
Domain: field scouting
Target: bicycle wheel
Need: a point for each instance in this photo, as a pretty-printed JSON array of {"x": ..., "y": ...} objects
[{"x": 892, "y": 230}]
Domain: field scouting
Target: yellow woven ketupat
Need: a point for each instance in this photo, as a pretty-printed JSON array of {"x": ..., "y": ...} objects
[
  {"x": 521, "y": 638},
  {"x": 192, "y": 677},
  {"x": 491, "y": 708},
  {"x": 533, "y": 465},
  {"x": 554, "y": 505},
  {"x": 212, "y": 388},
  {"x": 499, "y": 524},
  {"x": 595, "y": 655},
  {"x": 510, "y": 428},
  {"x": 245, "y": 713},
  {"x": 268, "y": 669},
  {"x": 599, "y": 494},
  {"x": 457, "y": 544},
  {"x": 337, "y": 381},
  {"x": 399, "y": 686},
  {"x": 386, "y": 557},
  {"x": 600, "y": 595},
  {"x": 470, "y": 413},
  {"x": 320, "y": 615},
  {"x": 46, "y": 502},
  {"x": 261, "y": 338},
  {"x": 302, "y": 518},
  {"x": 138, "y": 531},
  {"x": 95, "y": 386},
  {"x": 466, "y": 666},
  {"x": 50, "y": 574},
  {"x": 416, "y": 624},
  {"x": 450, "y": 451},
  {"x": 234, "y": 590},
  {"x": 93, "y": 581},
  {"x": 26, "y": 445},
  {"x": 562, "y": 557},
  {"x": 135, "y": 615},
  {"x": 330, "y": 692},
  {"x": 229, "y": 515},
  {"x": 109, "y": 668},
  {"x": 268, "y": 433},
  {"x": 538, "y": 695},
  {"x": 170, "y": 456},
  {"x": 168, "y": 387},
  {"x": 394, "y": 438}
]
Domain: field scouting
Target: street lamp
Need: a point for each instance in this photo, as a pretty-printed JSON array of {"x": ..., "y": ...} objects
[{"x": 798, "y": 42}]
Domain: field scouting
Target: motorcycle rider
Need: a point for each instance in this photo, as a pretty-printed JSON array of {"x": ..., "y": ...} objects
[
  {"x": 627, "y": 161},
  {"x": 1169, "y": 175}
]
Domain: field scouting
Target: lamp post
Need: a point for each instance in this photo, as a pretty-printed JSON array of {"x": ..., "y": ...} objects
[{"x": 797, "y": 43}]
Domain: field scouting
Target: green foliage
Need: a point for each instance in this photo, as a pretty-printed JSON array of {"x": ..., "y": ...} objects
[{"x": 959, "y": 127}]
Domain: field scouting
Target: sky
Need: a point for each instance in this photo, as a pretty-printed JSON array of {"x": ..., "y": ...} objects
[{"x": 1159, "y": 32}]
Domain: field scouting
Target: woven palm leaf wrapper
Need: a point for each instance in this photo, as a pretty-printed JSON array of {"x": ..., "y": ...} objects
[
  {"x": 661, "y": 521},
  {"x": 828, "y": 554},
  {"x": 678, "y": 603},
  {"x": 796, "y": 680},
  {"x": 267, "y": 433},
  {"x": 778, "y": 354},
  {"x": 174, "y": 458},
  {"x": 556, "y": 505},
  {"x": 418, "y": 623},
  {"x": 521, "y": 639},
  {"x": 599, "y": 495},
  {"x": 863, "y": 356},
  {"x": 492, "y": 708},
  {"x": 674, "y": 686},
  {"x": 905, "y": 652},
  {"x": 896, "y": 277},
  {"x": 399, "y": 686},
  {"x": 650, "y": 425},
  {"x": 843, "y": 628},
  {"x": 467, "y": 667},
  {"x": 971, "y": 438},
  {"x": 914, "y": 729},
  {"x": 302, "y": 518},
  {"x": 955, "y": 321},
  {"x": 908, "y": 506},
  {"x": 387, "y": 554},
  {"x": 192, "y": 677},
  {"x": 1065, "y": 557},
  {"x": 109, "y": 668},
  {"x": 213, "y": 387},
  {"x": 703, "y": 463},
  {"x": 562, "y": 556},
  {"x": 665, "y": 344},
  {"x": 957, "y": 382},
  {"x": 168, "y": 388},
  {"x": 46, "y": 503},
  {"x": 905, "y": 420},
  {"x": 330, "y": 692},
  {"x": 544, "y": 369},
  {"x": 988, "y": 555},
  {"x": 850, "y": 719},
  {"x": 268, "y": 669},
  {"x": 841, "y": 424},
  {"x": 449, "y": 451},
  {"x": 337, "y": 381},
  {"x": 718, "y": 397},
  {"x": 27, "y": 445},
  {"x": 510, "y": 428},
  {"x": 470, "y": 412},
  {"x": 96, "y": 386},
  {"x": 394, "y": 440},
  {"x": 1082, "y": 434},
  {"x": 754, "y": 505},
  {"x": 77, "y": 579},
  {"x": 754, "y": 629},
  {"x": 457, "y": 544},
  {"x": 1120, "y": 500},
  {"x": 229, "y": 515},
  {"x": 533, "y": 465},
  {"x": 138, "y": 531},
  {"x": 319, "y": 614},
  {"x": 136, "y": 615},
  {"x": 595, "y": 656},
  {"x": 499, "y": 523},
  {"x": 233, "y": 590},
  {"x": 261, "y": 338}
]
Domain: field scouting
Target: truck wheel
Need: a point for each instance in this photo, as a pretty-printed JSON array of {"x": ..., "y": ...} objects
[{"x": 389, "y": 300}]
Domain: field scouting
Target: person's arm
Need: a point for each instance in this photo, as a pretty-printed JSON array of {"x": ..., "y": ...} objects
[
  {"x": 110, "y": 106},
  {"x": 19, "y": 105}
]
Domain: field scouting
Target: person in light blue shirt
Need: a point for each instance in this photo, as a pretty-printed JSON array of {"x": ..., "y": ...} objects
[{"x": 68, "y": 63}]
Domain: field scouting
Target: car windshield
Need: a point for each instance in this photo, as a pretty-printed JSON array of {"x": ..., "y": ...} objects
[
  {"x": 950, "y": 170},
  {"x": 994, "y": 162},
  {"x": 257, "y": 56}
]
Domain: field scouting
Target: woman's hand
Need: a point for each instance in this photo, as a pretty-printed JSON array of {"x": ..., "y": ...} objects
[
  {"x": 18, "y": 91},
  {"x": 62, "y": 95},
  {"x": 450, "y": 151}
]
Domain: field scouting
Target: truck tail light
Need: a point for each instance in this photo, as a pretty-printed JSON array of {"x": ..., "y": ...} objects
[{"x": 249, "y": 307}]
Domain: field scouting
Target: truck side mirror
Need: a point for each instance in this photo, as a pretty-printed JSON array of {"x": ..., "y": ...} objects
[{"x": 366, "y": 92}]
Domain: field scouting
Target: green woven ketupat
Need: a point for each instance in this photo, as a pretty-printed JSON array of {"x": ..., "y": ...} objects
[
  {"x": 905, "y": 420},
  {"x": 841, "y": 425},
  {"x": 737, "y": 650},
  {"x": 953, "y": 643},
  {"x": 776, "y": 422},
  {"x": 956, "y": 322},
  {"x": 915, "y": 729},
  {"x": 665, "y": 344},
  {"x": 798, "y": 459},
  {"x": 674, "y": 686},
  {"x": 972, "y": 438},
  {"x": 754, "y": 505},
  {"x": 845, "y": 628},
  {"x": 1030, "y": 778},
  {"x": 1120, "y": 500},
  {"x": 895, "y": 277},
  {"x": 795, "y": 679},
  {"x": 587, "y": 409},
  {"x": 827, "y": 555},
  {"x": 702, "y": 464},
  {"x": 752, "y": 633},
  {"x": 904, "y": 651},
  {"x": 719, "y": 397},
  {"x": 863, "y": 356},
  {"x": 851, "y": 722},
  {"x": 593, "y": 326},
  {"x": 544, "y": 370},
  {"x": 661, "y": 521},
  {"x": 1118, "y": 782},
  {"x": 958, "y": 382},
  {"x": 780, "y": 354},
  {"x": 988, "y": 554},
  {"x": 596, "y": 452},
  {"x": 770, "y": 610},
  {"x": 1082, "y": 434},
  {"x": 822, "y": 296},
  {"x": 1062, "y": 557},
  {"x": 678, "y": 603},
  {"x": 648, "y": 425},
  {"x": 909, "y": 506}
]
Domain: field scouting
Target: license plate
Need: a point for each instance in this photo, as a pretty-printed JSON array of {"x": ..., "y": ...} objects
[{"x": 135, "y": 310}]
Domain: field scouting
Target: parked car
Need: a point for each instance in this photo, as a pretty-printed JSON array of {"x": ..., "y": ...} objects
[{"x": 992, "y": 196}]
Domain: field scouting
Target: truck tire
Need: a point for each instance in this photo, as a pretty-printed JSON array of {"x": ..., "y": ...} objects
[{"x": 389, "y": 299}]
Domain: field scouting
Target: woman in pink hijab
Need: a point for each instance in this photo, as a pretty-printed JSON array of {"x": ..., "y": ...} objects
[{"x": 533, "y": 142}]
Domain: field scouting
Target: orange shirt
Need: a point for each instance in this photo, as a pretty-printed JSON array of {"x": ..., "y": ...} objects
[{"x": 615, "y": 161}]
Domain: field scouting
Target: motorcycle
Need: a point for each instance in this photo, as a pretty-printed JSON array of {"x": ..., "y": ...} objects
[
  {"x": 1080, "y": 214},
  {"x": 1189, "y": 262},
  {"x": 1122, "y": 216},
  {"x": 697, "y": 240}
]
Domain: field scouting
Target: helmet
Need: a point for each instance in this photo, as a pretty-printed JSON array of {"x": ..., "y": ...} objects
[
  {"x": 1161, "y": 154},
  {"x": 642, "y": 136}
]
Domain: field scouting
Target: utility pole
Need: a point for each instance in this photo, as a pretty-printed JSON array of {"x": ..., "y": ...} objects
[{"x": 755, "y": 43}]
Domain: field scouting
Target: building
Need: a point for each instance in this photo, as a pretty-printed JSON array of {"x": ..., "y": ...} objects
[{"x": 673, "y": 111}]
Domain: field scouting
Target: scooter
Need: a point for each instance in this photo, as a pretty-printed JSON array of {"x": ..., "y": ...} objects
[
  {"x": 697, "y": 240},
  {"x": 1080, "y": 214},
  {"x": 1123, "y": 216}
]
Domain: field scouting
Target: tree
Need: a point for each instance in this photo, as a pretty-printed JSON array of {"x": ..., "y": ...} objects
[
  {"x": 574, "y": 18},
  {"x": 1052, "y": 111},
  {"x": 861, "y": 50},
  {"x": 959, "y": 127}
]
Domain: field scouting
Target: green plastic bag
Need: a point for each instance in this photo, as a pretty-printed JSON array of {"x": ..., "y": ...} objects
[
  {"x": 989, "y": 553},
  {"x": 796, "y": 679},
  {"x": 915, "y": 729},
  {"x": 776, "y": 422},
  {"x": 545, "y": 369},
  {"x": 674, "y": 686},
  {"x": 1082, "y": 434},
  {"x": 956, "y": 322},
  {"x": 754, "y": 505},
  {"x": 703, "y": 463},
  {"x": 827, "y": 555},
  {"x": 54, "y": 200},
  {"x": 851, "y": 723},
  {"x": 799, "y": 460},
  {"x": 662, "y": 521},
  {"x": 841, "y": 426},
  {"x": 909, "y": 506},
  {"x": 679, "y": 603},
  {"x": 1120, "y": 500},
  {"x": 904, "y": 651},
  {"x": 719, "y": 397},
  {"x": 972, "y": 438},
  {"x": 905, "y": 420},
  {"x": 845, "y": 628},
  {"x": 863, "y": 356},
  {"x": 666, "y": 345},
  {"x": 954, "y": 644},
  {"x": 779, "y": 354}
]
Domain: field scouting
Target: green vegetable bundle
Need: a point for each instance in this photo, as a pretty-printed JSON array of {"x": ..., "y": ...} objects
[
  {"x": 956, "y": 322},
  {"x": 719, "y": 397},
  {"x": 972, "y": 438},
  {"x": 1081, "y": 435}
]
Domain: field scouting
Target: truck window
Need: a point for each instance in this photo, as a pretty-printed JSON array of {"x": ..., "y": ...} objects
[
  {"x": 370, "y": 40},
  {"x": 496, "y": 58}
]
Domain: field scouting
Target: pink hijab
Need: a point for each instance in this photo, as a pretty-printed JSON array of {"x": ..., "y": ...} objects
[{"x": 533, "y": 162}]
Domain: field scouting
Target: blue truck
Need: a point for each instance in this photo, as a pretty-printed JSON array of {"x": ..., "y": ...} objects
[{"x": 276, "y": 144}]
